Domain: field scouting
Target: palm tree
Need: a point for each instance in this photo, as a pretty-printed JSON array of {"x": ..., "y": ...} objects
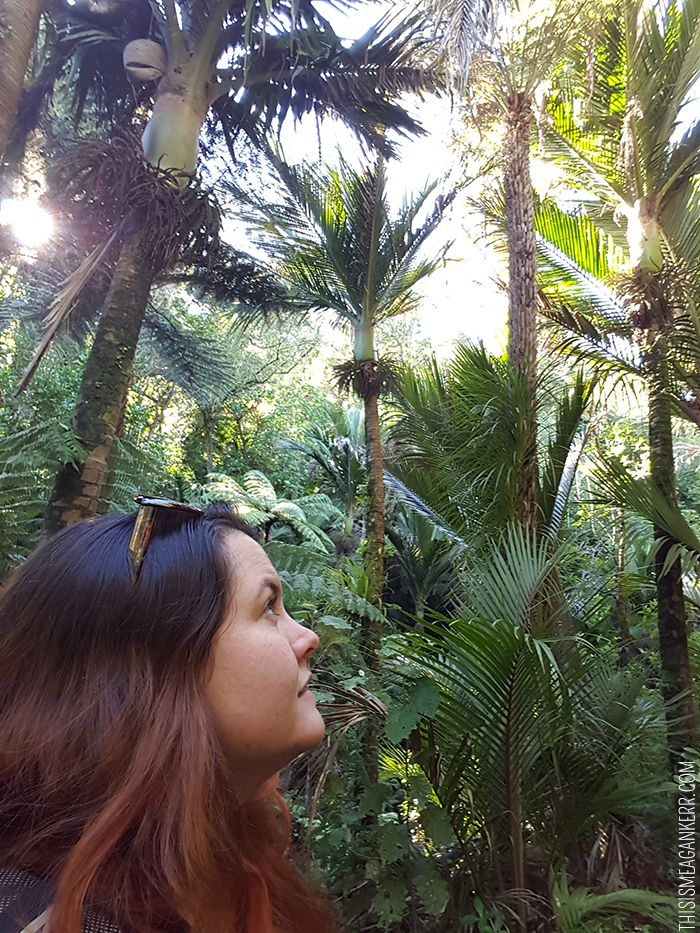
[
  {"x": 532, "y": 748},
  {"x": 626, "y": 148},
  {"x": 278, "y": 57},
  {"x": 343, "y": 252},
  {"x": 459, "y": 436},
  {"x": 503, "y": 52}
]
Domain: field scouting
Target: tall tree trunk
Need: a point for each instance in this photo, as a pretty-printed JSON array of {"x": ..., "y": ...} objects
[
  {"x": 522, "y": 288},
  {"x": 673, "y": 634},
  {"x": 19, "y": 25},
  {"x": 628, "y": 647},
  {"x": 372, "y": 628},
  {"x": 375, "y": 516},
  {"x": 105, "y": 386}
]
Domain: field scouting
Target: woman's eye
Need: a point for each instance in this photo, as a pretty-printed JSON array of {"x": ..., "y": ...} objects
[{"x": 271, "y": 607}]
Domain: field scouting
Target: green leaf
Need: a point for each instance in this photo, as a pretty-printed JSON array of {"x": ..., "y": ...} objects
[
  {"x": 332, "y": 630},
  {"x": 436, "y": 824},
  {"x": 393, "y": 842},
  {"x": 425, "y": 697},
  {"x": 423, "y": 701},
  {"x": 432, "y": 888},
  {"x": 390, "y": 902},
  {"x": 400, "y": 723},
  {"x": 373, "y": 798},
  {"x": 335, "y": 622}
]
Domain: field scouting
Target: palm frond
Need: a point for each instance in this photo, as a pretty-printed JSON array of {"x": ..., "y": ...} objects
[
  {"x": 563, "y": 454},
  {"x": 623, "y": 490}
]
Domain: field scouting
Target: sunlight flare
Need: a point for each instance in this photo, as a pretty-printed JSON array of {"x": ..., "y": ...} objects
[{"x": 31, "y": 225}]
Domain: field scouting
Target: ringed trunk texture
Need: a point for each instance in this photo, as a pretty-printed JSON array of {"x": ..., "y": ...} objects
[
  {"x": 522, "y": 288},
  {"x": 19, "y": 24},
  {"x": 673, "y": 632},
  {"x": 372, "y": 629},
  {"x": 104, "y": 387}
]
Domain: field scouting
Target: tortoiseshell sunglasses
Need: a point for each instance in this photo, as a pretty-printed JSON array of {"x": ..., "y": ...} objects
[{"x": 145, "y": 517}]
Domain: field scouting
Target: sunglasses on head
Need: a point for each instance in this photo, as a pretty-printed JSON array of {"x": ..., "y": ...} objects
[{"x": 145, "y": 518}]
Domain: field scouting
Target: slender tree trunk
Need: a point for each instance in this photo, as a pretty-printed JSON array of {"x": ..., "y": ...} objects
[
  {"x": 628, "y": 648},
  {"x": 372, "y": 628},
  {"x": 515, "y": 812},
  {"x": 208, "y": 421},
  {"x": 522, "y": 288},
  {"x": 673, "y": 633},
  {"x": 375, "y": 517},
  {"x": 19, "y": 25},
  {"x": 104, "y": 387}
]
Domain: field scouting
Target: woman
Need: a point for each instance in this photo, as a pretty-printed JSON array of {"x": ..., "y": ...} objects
[{"x": 152, "y": 685}]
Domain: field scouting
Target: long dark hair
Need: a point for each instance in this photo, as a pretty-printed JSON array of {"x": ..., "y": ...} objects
[{"x": 112, "y": 781}]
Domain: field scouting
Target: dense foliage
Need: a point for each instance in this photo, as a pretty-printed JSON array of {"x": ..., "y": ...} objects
[{"x": 502, "y": 723}]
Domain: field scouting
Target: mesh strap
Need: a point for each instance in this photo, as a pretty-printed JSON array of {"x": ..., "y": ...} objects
[{"x": 25, "y": 901}]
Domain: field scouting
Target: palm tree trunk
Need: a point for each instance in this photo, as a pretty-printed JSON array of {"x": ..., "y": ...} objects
[
  {"x": 208, "y": 422},
  {"x": 372, "y": 628},
  {"x": 19, "y": 24},
  {"x": 515, "y": 811},
  {"x": 104, "y": 387},
  {"x": 522, "y": 289},
  {"x": 375, "y": 516},
  {"x": 628, "y": 647},
  {"x": 673, "y": 633}
]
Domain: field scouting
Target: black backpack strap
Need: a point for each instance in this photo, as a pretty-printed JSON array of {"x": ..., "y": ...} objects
[{"x": 24, "y": 901}]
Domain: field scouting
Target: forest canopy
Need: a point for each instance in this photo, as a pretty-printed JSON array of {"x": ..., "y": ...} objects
[{"x": 497, "y": 547}]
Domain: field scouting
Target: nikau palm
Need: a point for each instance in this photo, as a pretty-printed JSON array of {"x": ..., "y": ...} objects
[
  {"x": 343, "y": 252},
  {"x": 505, "y": 51},
  {"x": 626, "y": 149},
  {"x": 277, "y": 57}
]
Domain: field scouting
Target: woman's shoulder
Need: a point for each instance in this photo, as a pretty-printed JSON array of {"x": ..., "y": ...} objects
[{"x": 25, "y": 901}]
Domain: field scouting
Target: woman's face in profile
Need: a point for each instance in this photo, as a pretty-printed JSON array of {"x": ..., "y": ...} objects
[{"x": 257, "y": 689}]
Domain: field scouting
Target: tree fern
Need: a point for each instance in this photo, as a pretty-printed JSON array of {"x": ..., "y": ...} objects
[{"x": 28, "y": 461}]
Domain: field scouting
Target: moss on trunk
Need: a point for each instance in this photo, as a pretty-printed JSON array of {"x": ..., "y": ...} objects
[
  {"x": 104, "y": 387},
  {"x": 673, "y": 634}
]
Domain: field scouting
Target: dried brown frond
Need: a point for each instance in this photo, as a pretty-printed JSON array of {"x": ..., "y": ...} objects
[
  {"x": 63, "y": 304},
  {"x": 656, "y": 299},
  {"x": 108, "y": 187},
  {"x": 311, "y": 770},
  {"x": 367, "y": 377},
  {"x": 109, "y": 183}
]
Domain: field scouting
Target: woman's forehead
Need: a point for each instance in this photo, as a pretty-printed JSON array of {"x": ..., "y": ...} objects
[{"x": 248, "y": 559}]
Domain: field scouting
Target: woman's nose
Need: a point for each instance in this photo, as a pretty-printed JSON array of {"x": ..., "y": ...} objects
[{"x": 305, "y": 640}]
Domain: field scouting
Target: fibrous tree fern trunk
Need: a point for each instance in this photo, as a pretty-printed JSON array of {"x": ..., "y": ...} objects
[
  {"x": 677, "y": 684},
  {"x": 19, "y": 24},
  {"x": 105, "y": 386},
  {"x": 522, "y": 289}
]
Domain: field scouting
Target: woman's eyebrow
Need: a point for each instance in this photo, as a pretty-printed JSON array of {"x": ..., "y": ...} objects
[{"x": 270, "y": 584}]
